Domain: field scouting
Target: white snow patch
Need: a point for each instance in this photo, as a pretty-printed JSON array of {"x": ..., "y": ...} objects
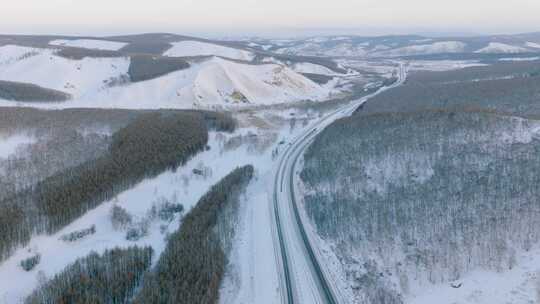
[
  {"x": 76, "y": 77},
  {"x": 252, "y": 275},
  {"x": 497, "y": 47},
  {"x": 423, "y": 49},
  {"x": 94, "y": 44},
  {"x": 520, "y": 59},
  {"x": 532, "y": 45},
  {"x": 190, "y": 48},
  {"x": 10, "y": 144}
]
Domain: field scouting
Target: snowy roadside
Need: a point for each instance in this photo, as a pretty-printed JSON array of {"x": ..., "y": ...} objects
[{"x": 254, "y": 272}]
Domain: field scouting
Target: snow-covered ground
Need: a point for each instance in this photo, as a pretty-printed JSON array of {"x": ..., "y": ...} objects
[
  {"x": 94, "y": 44},
  {"x": 10, "y": 54},
  {"x": 190, "y": 48},
  {"x": 211, "y": 83},
  {"x": 520, "y": 285},
  {"x": 502, "y": 48}
]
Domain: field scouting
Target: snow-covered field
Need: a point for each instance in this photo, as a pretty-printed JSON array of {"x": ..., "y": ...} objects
[
  {"x": 190, "y": 48},
  {"x": 215, "y": 82},
  {"x": 80, "y": 78},
  {"x": 10, "y": 54},
  {"x": 94, "y": 44},
  {"x": 442, "y": 65},
  {"x": 520, "y": 285}
]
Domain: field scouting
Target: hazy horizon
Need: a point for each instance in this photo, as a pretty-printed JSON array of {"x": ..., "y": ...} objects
[{"x": 265, "y": 18}]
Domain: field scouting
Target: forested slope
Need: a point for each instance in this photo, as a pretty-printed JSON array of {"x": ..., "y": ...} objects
[
  {"x": 18, "y": 91},
  {"x": 427, "y": 183},
  {"x": 111, "y": 277},
  {"x": 151, "y": 143},
  {"x": 510, "y": 87}
]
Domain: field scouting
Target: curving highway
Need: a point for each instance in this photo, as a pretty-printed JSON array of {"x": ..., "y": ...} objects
[{"x": 303, "y": 278}]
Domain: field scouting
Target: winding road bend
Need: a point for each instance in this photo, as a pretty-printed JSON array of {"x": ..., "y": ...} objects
[{"x": 304, "y": 278}]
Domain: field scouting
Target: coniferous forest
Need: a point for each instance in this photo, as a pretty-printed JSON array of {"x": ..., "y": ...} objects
[
  {"x": 148, "y": 144},
  {"x": 191, "y": 268},
  {"x": 110, "y": 277}
]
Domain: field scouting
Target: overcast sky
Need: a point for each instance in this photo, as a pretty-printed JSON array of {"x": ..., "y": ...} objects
[{"x": 103, "y": 17}]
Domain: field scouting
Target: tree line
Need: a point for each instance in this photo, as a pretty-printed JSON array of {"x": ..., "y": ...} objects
[
  {"x": 108, "y": 278},
  {"x": 191, "y": 268},
  {"x": 426, "y": 196},
  {"x": 19, "y": 91},
  {"x": 150, "y": 142}
]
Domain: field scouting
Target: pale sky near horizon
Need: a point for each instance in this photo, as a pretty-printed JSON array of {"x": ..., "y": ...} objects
[{"x": 103, "y": 17}]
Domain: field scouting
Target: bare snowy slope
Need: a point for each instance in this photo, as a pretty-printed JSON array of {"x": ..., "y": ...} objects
[
  {"x": 104, "y": 82},
  {"x": 196, "y": 48},
  {"x": 497, "y": 47}
]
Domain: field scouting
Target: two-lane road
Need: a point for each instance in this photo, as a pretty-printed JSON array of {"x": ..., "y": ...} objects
[{"x": 303, "y": 278}]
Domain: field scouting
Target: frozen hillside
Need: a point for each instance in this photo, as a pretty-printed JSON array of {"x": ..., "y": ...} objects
[
  {"x": 43, "y": 68},
  {"x": 216, "y": 83},
  {"x": 104, "y": 82},
  {"x": 496, "y": 47},
  {"x": 93, "y": 44},
  {"x": 433, "y": 48},
  {"x": 428, "y": 193},
  {"x": 196, "y": 48}
]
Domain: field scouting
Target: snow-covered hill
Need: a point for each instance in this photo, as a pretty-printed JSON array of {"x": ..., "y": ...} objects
[
  {"x": 103, "y": 82},
  {"x": 79, "y": 78},
  {"x": 190, "y": 48},
  {"x": 497, "y": 47},
  {"x": 423, "y": 49},
  {"x": 215, "y": 83},
  {"x": 406, "y": 45},
  {"x": 532, "y": 45}
]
